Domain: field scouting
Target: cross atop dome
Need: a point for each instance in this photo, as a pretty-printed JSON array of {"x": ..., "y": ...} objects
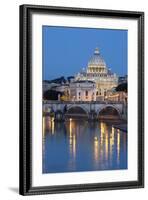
[{"x": 96, "y": 50}]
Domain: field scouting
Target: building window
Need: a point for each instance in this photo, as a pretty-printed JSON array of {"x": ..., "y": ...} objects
[
  {"x": 100, "y": 91},
  {"x": 86, "y": 94},
  {"x": 97, "y": 93},
  {"x": 104, "y": 92},
  {"x": 79, "y": 93}
]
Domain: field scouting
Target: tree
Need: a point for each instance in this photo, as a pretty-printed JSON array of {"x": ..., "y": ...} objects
[
  {"x": 51, "y": 95},
  {"x": 122, "y": 87}
]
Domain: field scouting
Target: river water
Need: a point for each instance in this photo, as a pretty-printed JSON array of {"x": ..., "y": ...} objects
[{"x": 79, "y": 145}]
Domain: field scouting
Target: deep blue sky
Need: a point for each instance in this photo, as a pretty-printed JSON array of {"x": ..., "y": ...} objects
[{"x": 67, "y": 50}]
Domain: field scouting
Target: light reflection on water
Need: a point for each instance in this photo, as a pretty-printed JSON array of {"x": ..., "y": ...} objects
[{"x": 77, "y": 145}]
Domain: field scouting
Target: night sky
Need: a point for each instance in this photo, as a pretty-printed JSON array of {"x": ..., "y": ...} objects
[{"x": 67, "y": 50}]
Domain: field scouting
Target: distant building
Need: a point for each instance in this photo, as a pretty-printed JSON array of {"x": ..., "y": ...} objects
[
  {"x": 98, "y": 72},
  {"x": 82, "y": 90}
]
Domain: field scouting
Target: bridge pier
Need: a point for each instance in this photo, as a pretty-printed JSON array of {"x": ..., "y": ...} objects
[
  {"x": 92, "y": 116},
  {"x": 59, "y": 116}
]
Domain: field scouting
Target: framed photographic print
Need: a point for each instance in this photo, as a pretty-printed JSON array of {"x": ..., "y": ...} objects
[{"x": 81, "y": 99}]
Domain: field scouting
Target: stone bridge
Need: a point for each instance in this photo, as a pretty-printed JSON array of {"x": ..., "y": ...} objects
[{"x": 91, "y": 110}]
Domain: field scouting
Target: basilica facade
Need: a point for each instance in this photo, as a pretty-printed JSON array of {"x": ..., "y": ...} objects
[{"x": 100, "y": 74}]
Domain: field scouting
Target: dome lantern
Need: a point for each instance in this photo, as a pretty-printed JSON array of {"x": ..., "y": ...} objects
[{"x": 96, "y": 51}]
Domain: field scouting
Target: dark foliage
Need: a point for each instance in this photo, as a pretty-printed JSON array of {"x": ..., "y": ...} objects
[
  {"x": 51, "y": 95},
  {"x": 69, "y": 78},
  {"x": 58, "y": 80},
  {"x": 122, "y": 87}
]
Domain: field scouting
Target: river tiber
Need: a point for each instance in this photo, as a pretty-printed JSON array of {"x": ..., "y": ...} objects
[{"x": 85, "y": 119}]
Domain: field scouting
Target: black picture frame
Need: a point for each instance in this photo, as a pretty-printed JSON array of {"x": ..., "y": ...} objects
[{"x": 25, "y": 187}]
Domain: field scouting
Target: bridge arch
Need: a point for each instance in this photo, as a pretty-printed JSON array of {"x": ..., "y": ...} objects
[
  {"x": 109, "y": 112},
  {"x": 76, "y": 111}
]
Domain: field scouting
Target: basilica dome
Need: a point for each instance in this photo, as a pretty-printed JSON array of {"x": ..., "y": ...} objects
[{"x": 96, "y": 59}]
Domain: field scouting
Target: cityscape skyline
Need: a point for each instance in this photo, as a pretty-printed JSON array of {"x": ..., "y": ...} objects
[{"x": 70, "y": 52}]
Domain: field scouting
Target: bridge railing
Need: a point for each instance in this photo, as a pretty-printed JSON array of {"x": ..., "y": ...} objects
[{"x": 81, "y": 102}]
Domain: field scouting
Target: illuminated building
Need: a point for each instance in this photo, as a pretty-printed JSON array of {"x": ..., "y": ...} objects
[
  {"x": 98, "y": 72},
  {"x": 117, "y": 96},
  {"x": 83, "y": 90}
]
